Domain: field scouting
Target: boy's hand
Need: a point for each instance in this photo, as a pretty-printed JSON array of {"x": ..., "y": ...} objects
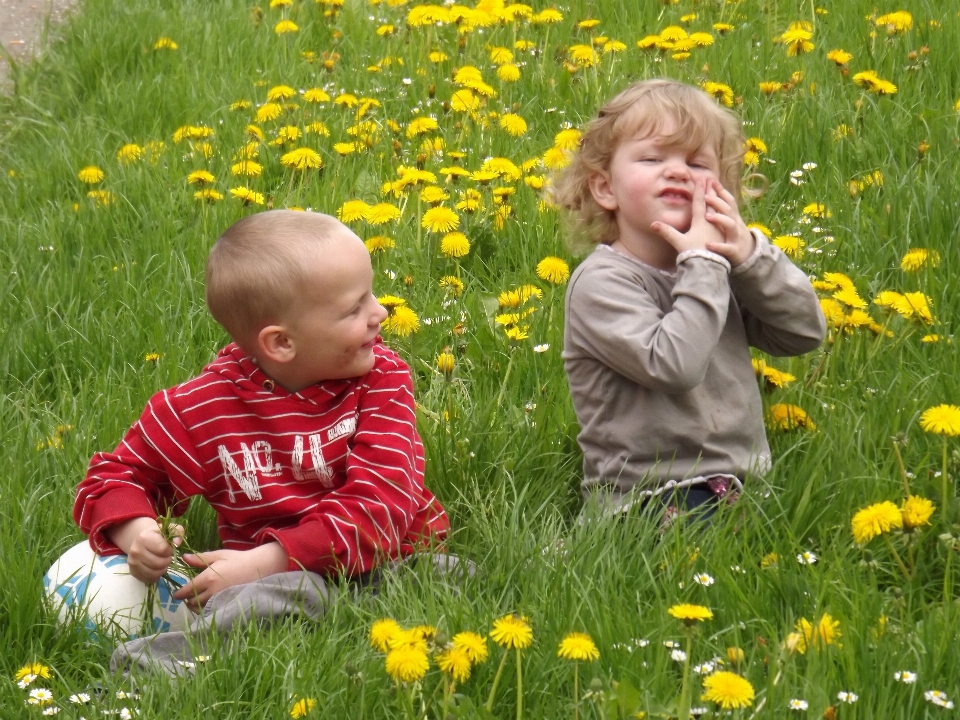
[
  {"x": 701, "y": 233},
  {"x": 225, "y": 568},
  {"x": 737, "y": 243},
  {"x": 148, "y": 553}
]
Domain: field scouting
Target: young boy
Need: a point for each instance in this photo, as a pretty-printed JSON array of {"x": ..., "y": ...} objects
[
  {"x": 301, "y": 434},
  {"x": 661, "y": 315}
]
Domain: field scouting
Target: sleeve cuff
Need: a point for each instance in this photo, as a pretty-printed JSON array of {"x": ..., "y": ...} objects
[
  {"x": 760, "y": 242},
  {"x": 706, "y": 255}
]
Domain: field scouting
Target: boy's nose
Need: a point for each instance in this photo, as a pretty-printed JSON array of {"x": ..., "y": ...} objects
[{"x": 379, "y": 315}]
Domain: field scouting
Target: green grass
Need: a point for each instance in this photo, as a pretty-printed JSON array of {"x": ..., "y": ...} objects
[{"x": 86, "y": 291}]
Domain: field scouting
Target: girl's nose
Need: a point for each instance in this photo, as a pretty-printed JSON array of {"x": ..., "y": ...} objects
[{"x": 678, "y": 168}]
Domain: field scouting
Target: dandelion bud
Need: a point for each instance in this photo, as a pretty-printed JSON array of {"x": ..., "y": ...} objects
[{"x": 446, "y": 362}]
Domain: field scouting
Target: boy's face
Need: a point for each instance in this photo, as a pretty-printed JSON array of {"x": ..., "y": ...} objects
[
  {"x": 648, "y": 181},
  {"x": 335, "y": 324}
]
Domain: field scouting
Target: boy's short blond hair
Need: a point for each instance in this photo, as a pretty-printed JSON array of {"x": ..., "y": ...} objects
[
  {"x": 643, "y": 109},
  {"x": 258, "y": 267}
]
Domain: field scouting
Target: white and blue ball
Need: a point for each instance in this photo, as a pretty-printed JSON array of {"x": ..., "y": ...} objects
[{"x": 102, "y": 589}]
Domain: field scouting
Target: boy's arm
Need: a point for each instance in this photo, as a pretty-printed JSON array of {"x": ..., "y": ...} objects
[
  {"x": 781, "y": 312},
  {"x": 383, "y": 502},
  {"x": 616, "y": 320},
  {"x": 136, "y": 479}
]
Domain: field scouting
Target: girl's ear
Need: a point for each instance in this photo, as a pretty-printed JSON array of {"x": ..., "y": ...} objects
[
  {"x": 602, "y": 190},
  {"x": 275, "y": 344}
]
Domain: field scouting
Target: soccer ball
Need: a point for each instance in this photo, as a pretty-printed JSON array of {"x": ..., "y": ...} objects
[{"x": 102, "y": 589}]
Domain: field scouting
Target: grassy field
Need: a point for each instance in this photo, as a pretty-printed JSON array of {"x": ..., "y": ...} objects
[{"x": 102, "y": 305}]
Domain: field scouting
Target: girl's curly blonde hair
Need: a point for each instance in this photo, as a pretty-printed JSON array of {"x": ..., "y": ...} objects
[{"x": 643, "y": 109}]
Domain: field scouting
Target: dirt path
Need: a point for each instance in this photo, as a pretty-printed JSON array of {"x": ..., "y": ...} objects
[{"x": 21, "y": 22}]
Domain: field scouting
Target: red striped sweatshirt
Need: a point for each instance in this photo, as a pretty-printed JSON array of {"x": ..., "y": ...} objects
[{"x": 334, "y": 473}]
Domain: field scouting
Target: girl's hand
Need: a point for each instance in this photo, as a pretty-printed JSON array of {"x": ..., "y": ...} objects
[
  {"x": 737, "y": 243},
  {"x": 701, "y": 233}
]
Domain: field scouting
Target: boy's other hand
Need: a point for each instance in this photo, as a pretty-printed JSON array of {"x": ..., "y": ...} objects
[
  {"x": 737, "y": 243},
  {"x": 148, "y": 553},
  {"x": 702, "y": 233},
  {"x": 225, "y": 568}
]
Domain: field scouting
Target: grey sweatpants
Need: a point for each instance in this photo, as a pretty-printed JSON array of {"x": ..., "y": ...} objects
[{"x": 290, "y": 594}]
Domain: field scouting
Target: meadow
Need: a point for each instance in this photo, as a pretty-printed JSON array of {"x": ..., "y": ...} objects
[{"x": 432, "y": 130}]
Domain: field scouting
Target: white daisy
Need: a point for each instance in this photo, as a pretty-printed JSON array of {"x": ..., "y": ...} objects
[{"x": 796, "y": 704}]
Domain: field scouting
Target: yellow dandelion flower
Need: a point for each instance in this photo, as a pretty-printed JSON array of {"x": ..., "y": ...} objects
[
  {"x": 582, "y": 55},
  {"x": 690, "y": 614},
  {"x": 464, "y": 101},
  {"x": 401, "y": 321},
  {"x": 723, "y": 28},
  {"x": 556, "y": 158},
  {"x": 896, "y": 22},
  {"x": 455, "y": 245},
  {"x": 875, "y": 520},
  {"x": 35, "y": 669},
  {"x": 247, "y": 196},
  {"x": 248, "y": 168},
  {"x": 102, "y": 198},
  {"x": 769, "y": 87},
  {"x": 268, "y": 111},
  {"x": 445, "y": 364},
  {"x": 508, "y": 72},
  {"x": 548, "y": 16},
  {"x": 382, "y": 632},
  {"x": 353, "y": 210},
  {"x": 782, "y": 416},
  {"x": 568, "y": 139},
  {"x": 406, "y": 664},
  {"x": 919, "y": 258},
  {"x": 129, "y": 153},
  {"x": 165, "y": 43},
  {"x": 916, "y": 511},
  {"x": 280, "y": 92},
  {"x": 302, "y": 159},
  {"x": 825, "y": 632},
  {"x": 440, "y": 219},
  {"x": 474, "y": 645},
  {"x": 790, "y": 244},
  {"x": 421, "y": 125},
  {"x": 285, "y": 26},
  {"x": 512, "y": 631},
  {"x": 840, "y": 57},
  {"x": 817, "y": 210},
  {"x": 90, "y": 175},
  {"x": 378, "y": 244},
  {"x": 200, "y": 177},
  {"x": 941, "y": 420},
  {"x": 719, "y": 91},
  {"x": 513, "y": 124},
  {"x": 797, "y": 41},
  {"x": 391, "y": 301},
  {"x": 728, "y": 690},
  {"x": 453, "y": 661},
  {"x": 208, "y": 195},
  {"x": 850, "y": 298},
  {"x": 772, "y": 377},
  {"x": 302, "y": 707},
  {"x": 872, "y": 82},
  {"x": 382, "y": 213},
  {"x": 578, "y": 646},
  {"x": 553, "y": 270}
]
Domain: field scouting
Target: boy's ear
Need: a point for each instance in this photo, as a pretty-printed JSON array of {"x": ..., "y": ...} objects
[
  {"x": 275, "y": 344},
  {"x": 602, "y": 191}
]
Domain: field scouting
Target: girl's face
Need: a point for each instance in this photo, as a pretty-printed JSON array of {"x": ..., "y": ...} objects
[{"x": 648, "y": 180}]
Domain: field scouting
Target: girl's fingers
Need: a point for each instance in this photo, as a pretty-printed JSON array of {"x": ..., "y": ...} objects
[
  {"x": 719, "y": 204},
  {"x": 723, "y": 221}
]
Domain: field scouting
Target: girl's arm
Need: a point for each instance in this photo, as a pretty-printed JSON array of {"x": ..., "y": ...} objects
[
  {"x": 657, "y": 337},
  {"x": 781, "y": 311}
]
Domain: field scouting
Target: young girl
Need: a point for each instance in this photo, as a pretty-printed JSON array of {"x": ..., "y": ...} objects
[{"x": 661, "y": 315}]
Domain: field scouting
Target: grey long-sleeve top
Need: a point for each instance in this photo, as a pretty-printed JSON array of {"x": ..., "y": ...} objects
[{"x": 659, "y": 363}]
